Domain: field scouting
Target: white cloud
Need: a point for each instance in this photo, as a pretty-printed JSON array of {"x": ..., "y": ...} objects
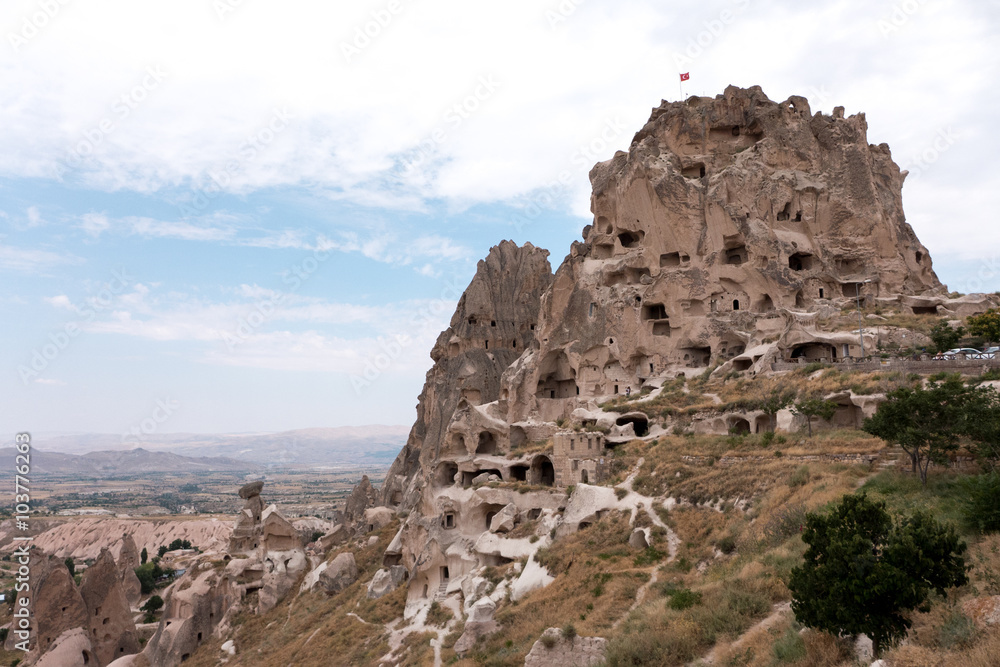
[
  {"x": 94, "y": 223},
  {"x": 30, "y": 261},
  {"x": 50, "y": 381},
  {"x": 34, "y": 217},
  {"x": 178, "y": 230}
]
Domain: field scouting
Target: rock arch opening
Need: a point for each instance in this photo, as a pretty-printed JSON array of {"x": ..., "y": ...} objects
[
  {"x": 542, "y": 471},
  {"x": 639, "y": 421}
]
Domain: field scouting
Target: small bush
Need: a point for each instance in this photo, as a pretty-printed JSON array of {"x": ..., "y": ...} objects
[
  {"x": 683, "y": 598},
  {"x": 767, "y": 439},
  {"x": 549, "y": 641},
  {"x": 981, "y": 502},
  {"x": 800, "y": 477},
  {"x": 621, "y": 493},
  {"x": 957, "y": 632},
  {"x": 569, "y": 631},
  {"x": 727, "y": 544},
  {"x": 790, "y": 647},
  {"x": 648, "y": 557}
]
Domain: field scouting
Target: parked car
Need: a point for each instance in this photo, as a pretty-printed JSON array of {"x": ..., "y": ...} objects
[
  {"x": 959, "y": 353},
  {"x": 989, "y": 353}
]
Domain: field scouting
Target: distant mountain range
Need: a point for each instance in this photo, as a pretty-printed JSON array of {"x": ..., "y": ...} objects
[
  {"x": 180, "y": 451},
  {"x": 133, "y": 461}
]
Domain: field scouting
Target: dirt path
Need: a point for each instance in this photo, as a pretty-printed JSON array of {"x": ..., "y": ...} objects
[{"x": 776, "y": 613}]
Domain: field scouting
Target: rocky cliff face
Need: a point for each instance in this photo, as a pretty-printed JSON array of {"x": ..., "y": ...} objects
[
  {"x": 717, "y": 239},
  {"x": 731, "y": 230},
  {"x": 494, "y": 323}
]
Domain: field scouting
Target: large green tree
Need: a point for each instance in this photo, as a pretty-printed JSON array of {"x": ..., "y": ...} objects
[
  {"x": 864, "y": 572},
  {"x": 945, "y": 337},
  {"x": 986, "y": 325},
  {"x": 926, "y": 422}
]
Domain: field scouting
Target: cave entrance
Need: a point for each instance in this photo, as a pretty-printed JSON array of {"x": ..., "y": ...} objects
[
  {"x": 639, "y": 421},
  {"x": 487, "y": 444},
  {"x": 445, "y": 474},
  {"x": 800, "y": 261},
  {"x": 542, "y": 471},
  {"x": 630, "y": 239}
]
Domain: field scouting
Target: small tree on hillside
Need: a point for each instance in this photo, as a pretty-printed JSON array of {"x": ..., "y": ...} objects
[
  {"x": 865, "y": 573},
  {"x": 144, "y": 556},
  {"x": 70, "y": 565},
  {"x": 815, "y": 407},
  {"x": 945, "y": 337},
  {"x": 774, "y": 401},
  {"x": 986, "y": 325},
  {"x": 926, "y": 423}
]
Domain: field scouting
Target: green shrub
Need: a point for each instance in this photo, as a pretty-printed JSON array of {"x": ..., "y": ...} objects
[
  {"x": 981, "y": 502},
  {"x": 789, "y": 647},
  {"x": 549, "y": 641},
  {"x": 569, "y": 631},
  {"x": 800, "y": 477},
  {"x": 957, "y": 632},
  {"x": 683, "y": 598},
  {"x": 727, "y": 544}
]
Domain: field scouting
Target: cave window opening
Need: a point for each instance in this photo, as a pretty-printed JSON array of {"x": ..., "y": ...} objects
[
  {"x": 654, "y": 311},
  {"x": 736, "y": 304},
  {"x": 737, "y": 255},
  {"x": 919, "y": 256},
  {"x": 493, "y": 323},
  {"x": 616, "y": 389},
  {"x": 487, "y": 344},
  {"x": 821, "y": 292},
  {"x": 448, "y": 520},
  {"x": 670, "y": 259},
  {"x": 736, "y": 130},
  {"x": 630, "y": 239},
  {"x": 800, "y": 261},
  {"x": 785, "y": 213},
  {"x": 798, "y": 216},
  {"x": 593, "y": 306}
]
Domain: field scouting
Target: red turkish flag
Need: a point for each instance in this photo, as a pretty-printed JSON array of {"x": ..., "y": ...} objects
[{"x": 685, "y": 76}]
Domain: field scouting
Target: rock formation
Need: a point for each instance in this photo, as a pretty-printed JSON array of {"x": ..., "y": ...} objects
[
  {"x": 555, "y": 650},
  {"x": 717, "y": 239},
  {"x": 460, "y": 430},
  {"x": 128, "y": 560},
  {"x": 246, "y": 532},
  {"x": 112, "y": 630},
  {"x": 724, "y": 240},
  {"x": 56, "y": 605}
]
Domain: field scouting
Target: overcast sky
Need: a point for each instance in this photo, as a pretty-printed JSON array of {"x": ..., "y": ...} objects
[{"x": 238, "y": 215}]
